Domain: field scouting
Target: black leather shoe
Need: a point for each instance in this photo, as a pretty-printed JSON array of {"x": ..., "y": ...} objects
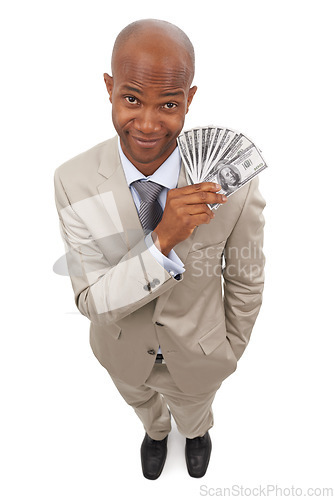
[
  {"x": 153, "y": 456},
  {"x": 198, "y": 451}
]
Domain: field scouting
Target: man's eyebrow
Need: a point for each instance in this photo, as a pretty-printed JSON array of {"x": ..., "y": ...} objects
[
  {"x": 168, "y": 93},
  {"x": 132, "y": 89},
  {"x": 172, "y": 94}
]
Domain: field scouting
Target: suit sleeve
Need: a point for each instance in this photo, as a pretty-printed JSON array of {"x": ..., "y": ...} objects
[
  {"x": 105, "y": 293},
  {"x": 244, "y": 271}
]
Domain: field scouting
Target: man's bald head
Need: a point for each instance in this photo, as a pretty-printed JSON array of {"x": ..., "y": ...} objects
[
  {"x": 150, "y": 90},
  {"x": 148, "y": 33}
]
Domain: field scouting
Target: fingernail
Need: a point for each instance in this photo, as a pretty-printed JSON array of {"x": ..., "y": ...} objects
[{"x": 218, "y": 187}]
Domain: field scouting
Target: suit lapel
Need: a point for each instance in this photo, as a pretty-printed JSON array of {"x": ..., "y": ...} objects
[{"x": 116, "y": 196}]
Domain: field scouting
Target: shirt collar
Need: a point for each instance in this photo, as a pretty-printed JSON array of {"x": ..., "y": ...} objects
[{"x": 167, "y": 174}]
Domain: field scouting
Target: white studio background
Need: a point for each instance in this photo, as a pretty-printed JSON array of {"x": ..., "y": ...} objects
[{"x": 263, "y": 67}]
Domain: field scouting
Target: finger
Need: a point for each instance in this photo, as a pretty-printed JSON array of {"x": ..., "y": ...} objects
[
  {"x": 193, "y": 188},
  {"x": 199, "y": 219},
  {"x": 207, "y": 186},
  {"x": 199, "y": 209},
  {"x": 203, "y": 197}
]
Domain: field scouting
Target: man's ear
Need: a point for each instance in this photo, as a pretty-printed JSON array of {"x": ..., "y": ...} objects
[
  {"x": 191, "y": 94},
  {"x": 109, "y": 81}
]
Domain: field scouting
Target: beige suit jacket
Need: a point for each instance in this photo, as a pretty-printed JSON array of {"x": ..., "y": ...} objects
[{"x": 133, "y": 303}]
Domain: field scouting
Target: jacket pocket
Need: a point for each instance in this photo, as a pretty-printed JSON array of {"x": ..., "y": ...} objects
[{"x": 211, "y": 340}]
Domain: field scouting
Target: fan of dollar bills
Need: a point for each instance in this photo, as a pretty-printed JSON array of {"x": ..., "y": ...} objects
[{"x": 221, "y": 155}]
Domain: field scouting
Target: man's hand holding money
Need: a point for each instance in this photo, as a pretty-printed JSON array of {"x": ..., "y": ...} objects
[{"x": 186, "y": 208}]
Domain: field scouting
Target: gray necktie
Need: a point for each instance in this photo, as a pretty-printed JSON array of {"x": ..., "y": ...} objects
[{"x": 150, "y": 210}]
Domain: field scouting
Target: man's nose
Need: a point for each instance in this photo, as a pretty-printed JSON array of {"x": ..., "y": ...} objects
[{"x": 147, "y": 121}]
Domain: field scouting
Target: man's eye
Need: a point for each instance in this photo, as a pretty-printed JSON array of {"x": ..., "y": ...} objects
[
  {"x": 170, "y": 105},
  {"x": 131, "y": 99}
]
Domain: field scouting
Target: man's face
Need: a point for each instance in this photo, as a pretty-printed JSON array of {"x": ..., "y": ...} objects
[
  {"x": 229, "y": 176},
  {"x": 150, "y": 97}
]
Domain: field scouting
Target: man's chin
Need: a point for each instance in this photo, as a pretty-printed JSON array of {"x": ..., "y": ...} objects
[
  {"x": 145, "y": 155},
  {"x": 143, "y": 158}
]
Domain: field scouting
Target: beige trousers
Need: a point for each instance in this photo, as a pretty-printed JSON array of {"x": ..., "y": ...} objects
[{"x": 153, "y": 400}]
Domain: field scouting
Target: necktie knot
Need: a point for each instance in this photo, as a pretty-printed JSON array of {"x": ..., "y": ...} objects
[
  {"x": 147, "y": 190},
  {"x": 150, "y": 210}
]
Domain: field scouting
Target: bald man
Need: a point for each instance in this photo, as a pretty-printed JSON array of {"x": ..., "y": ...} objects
[{"x": 143, "y": 250}]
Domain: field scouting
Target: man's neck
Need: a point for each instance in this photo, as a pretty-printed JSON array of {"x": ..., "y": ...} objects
[{"x": 151, "y": 167}]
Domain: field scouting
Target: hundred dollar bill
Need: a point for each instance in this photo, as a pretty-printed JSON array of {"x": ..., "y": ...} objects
[
  {"x": 185, "y": 157},
  {"x": 197, "y": 150},
  {"x": 221, "y": 155},
  {"x": 234, "y": 174},
  {"x": 225, "y": 139}
]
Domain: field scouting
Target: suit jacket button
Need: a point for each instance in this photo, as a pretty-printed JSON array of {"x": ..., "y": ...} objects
[
  {"x": 158, "y": 324},
  {"x": 147, "y": 287},
  {"x": 151, "y": 351}
]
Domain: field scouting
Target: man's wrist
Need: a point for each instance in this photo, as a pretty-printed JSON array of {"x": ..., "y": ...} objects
[{"x": 163, "y": 246}]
